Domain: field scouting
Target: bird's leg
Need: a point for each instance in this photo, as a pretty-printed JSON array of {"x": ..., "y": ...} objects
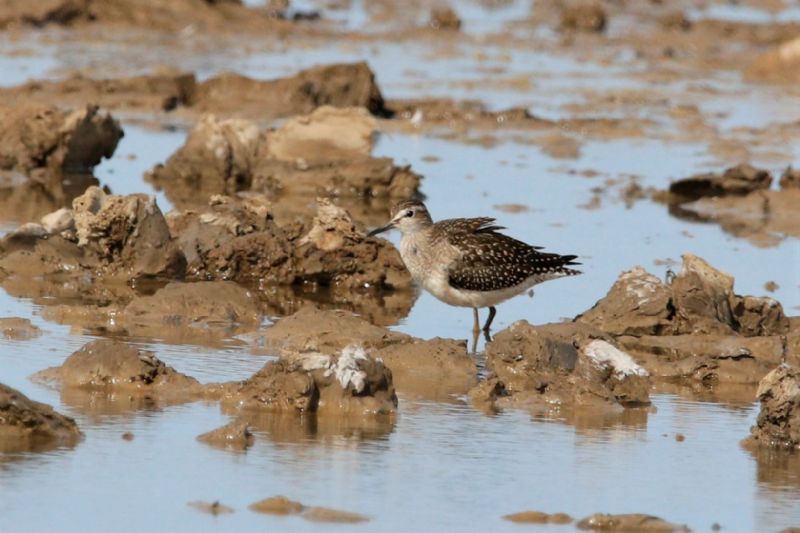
[
  {"x": 476, "y": 329},
  {"x": 492, "y": 312}
]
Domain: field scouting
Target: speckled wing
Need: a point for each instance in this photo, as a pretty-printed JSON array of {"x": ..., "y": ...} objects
[{"x": 492, "y": 261}]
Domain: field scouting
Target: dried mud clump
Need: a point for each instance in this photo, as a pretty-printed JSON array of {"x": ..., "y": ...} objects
[
  {"x": 29, "y": 425},
  {"x": 112, "y": 365},
  {"x": 238, "y": 239},
  {"x": 326, "y": 153},
  {"x": 192, "y": 312},
  {"x": 436, "y": 368},
  {"x": 628, "y": 522},
  {"x": 235, "y": 435},
  {"x": 153, "y": 92},
  {"x": 781, "y": 65},
  {"x": 282, "y": 506},
  {"x": 45, "y": 144},
  {"x": 209, "y": 15},
  {"x": 18, "y": 329},
  {"x": 735, "y": 181},
  {"x": 778, "y": 422},
  {"x": 741, "y": 201},
  {"x": 121, "y": 237},
  {"x": 444, "y": 18},
  {"x": 590, "y": 17},
  {"x": 538, "y": 517},
  {"x": 790, "y": 179},
  {"x": 339, "y": 85},
  {"x": 693, "y": 327},
  {"x": 228, "y": 95},
  {"x": 569, "y": 364},
  {"x": 350, "y": 383}
]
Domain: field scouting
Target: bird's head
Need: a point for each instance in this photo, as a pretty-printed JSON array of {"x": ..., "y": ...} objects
[{"x": 407, "y": 216}]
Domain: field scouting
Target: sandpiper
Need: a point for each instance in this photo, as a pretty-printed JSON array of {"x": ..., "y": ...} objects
[{"x": 467, "y": 262}]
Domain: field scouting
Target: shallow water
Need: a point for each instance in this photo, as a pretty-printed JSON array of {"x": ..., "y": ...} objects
[{"x": 441, "y": 465}]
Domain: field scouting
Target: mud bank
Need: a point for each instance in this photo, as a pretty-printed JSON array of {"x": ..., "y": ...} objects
[
  {"x": 694, "y": 327},
  {"x": 778, "y": 422},
  {"x": 741, "y": 201},
  {"x": 107, "y": 376},
  {"x": 349, "y": 383},
  {"x": 117, "y": 239},
  {"x": 283, "y": 506},
  {"x": 326, "y": 153},
  {"x": 205, "y": 15},
  {"x": 29, "y": 425},
  {"x": 569, "y": 365},
  {"x": 47, "y": 155},
  {"x": 229, "y": 94},
  {"x": 432, "y": 369},
  {"x": 628, "y": 522}
]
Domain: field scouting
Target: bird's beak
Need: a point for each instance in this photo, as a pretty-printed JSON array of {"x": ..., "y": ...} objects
[{"x": 381, "y": 229}]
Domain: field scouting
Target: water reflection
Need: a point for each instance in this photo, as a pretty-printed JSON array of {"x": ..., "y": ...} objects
[{"x": 291, "y": 428}]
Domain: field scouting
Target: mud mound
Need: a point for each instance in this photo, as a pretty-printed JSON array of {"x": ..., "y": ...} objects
[
  {"x": 778, "y": 422},
  {"x": 107, "y": 364},
  {"x": 339, "y": 85},
  {"x": 29, "y": 425},
  {"x": 123, "y": 237},
  {"x": 735, "y": 181},
  {"x": 741, "y": 201},
  {"x": 143, "y": 93},
  {"x": 561, "y": 364},
  {"x": 208, "y": 15},
  {"x": 51, "y": 148},
  {"x": 239, "y": 240},
  {"x": 693, "y": 327},
  {"x": 235, "y": 435},
  {"x": 18, "y": 329},
  {"x": 628, "y": 522},
  {"x": 325, "y": 153},
  {"x": 199, "y": 312},
  {"x": 781, "y": 64},
  {"x": 348, "y": 383},
  {"x": 434, "y": 369}
]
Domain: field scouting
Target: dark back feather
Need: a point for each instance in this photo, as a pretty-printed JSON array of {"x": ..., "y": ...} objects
[{"x": 493, "y": 261}]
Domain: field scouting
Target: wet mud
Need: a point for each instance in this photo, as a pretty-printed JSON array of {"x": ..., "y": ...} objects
[
  {"x": 29, "y": 425},
  {"x": 289, "y": 157}
]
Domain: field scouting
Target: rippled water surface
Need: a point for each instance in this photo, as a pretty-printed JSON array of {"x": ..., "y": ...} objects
[{"x": 440, "y": 466}]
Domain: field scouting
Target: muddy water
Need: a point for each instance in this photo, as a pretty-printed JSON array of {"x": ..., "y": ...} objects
[{"x": 441, "y": 465}]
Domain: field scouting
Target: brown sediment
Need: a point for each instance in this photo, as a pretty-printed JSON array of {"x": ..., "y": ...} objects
[
  {"x": 29, "y": 425},
  {"x": 569, "y": 364},
  {"x": 434, "y": 369},
  {"x": 277, "y": 505},
  {"x": 350, "y": 383},
  {"x": 628, "y": 522},
  {"x": 325, "y": 153},
  {"x": 778, "y": 422},
  {"x": 234, "y": 435},
  {"x": 694, "y": 327},
  {"x": 335, "y": 516},
  {"x": 213, "y": 508},
  {"x": 538, "y": 517},
  {"x": 18, "y": 329}
]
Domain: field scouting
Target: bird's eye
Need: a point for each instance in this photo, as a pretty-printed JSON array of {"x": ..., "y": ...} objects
[{"x": 409, "y": 213}]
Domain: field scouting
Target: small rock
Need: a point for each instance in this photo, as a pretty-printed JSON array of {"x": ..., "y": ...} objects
[
  {"x": 29, "y": 425},
  {"x": 235, "y": 435},
  {"x": 213, "y": 508},
  {"x": 790, "y": 179},
  {"x": 778, "y": 422},
  {"x": 445, "y": 18},
  {"x": 588, "y": 17},
  {"x": 277, "y": 505},
  {"x": 538, "y": 517},
  {"x": 323, "y": 514},
  {"x": 18, "y": 329},
  {"x": 127, "y": 436},
  {"x": 735, "y": 181},
  {"x": 628, "y": 522}
]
